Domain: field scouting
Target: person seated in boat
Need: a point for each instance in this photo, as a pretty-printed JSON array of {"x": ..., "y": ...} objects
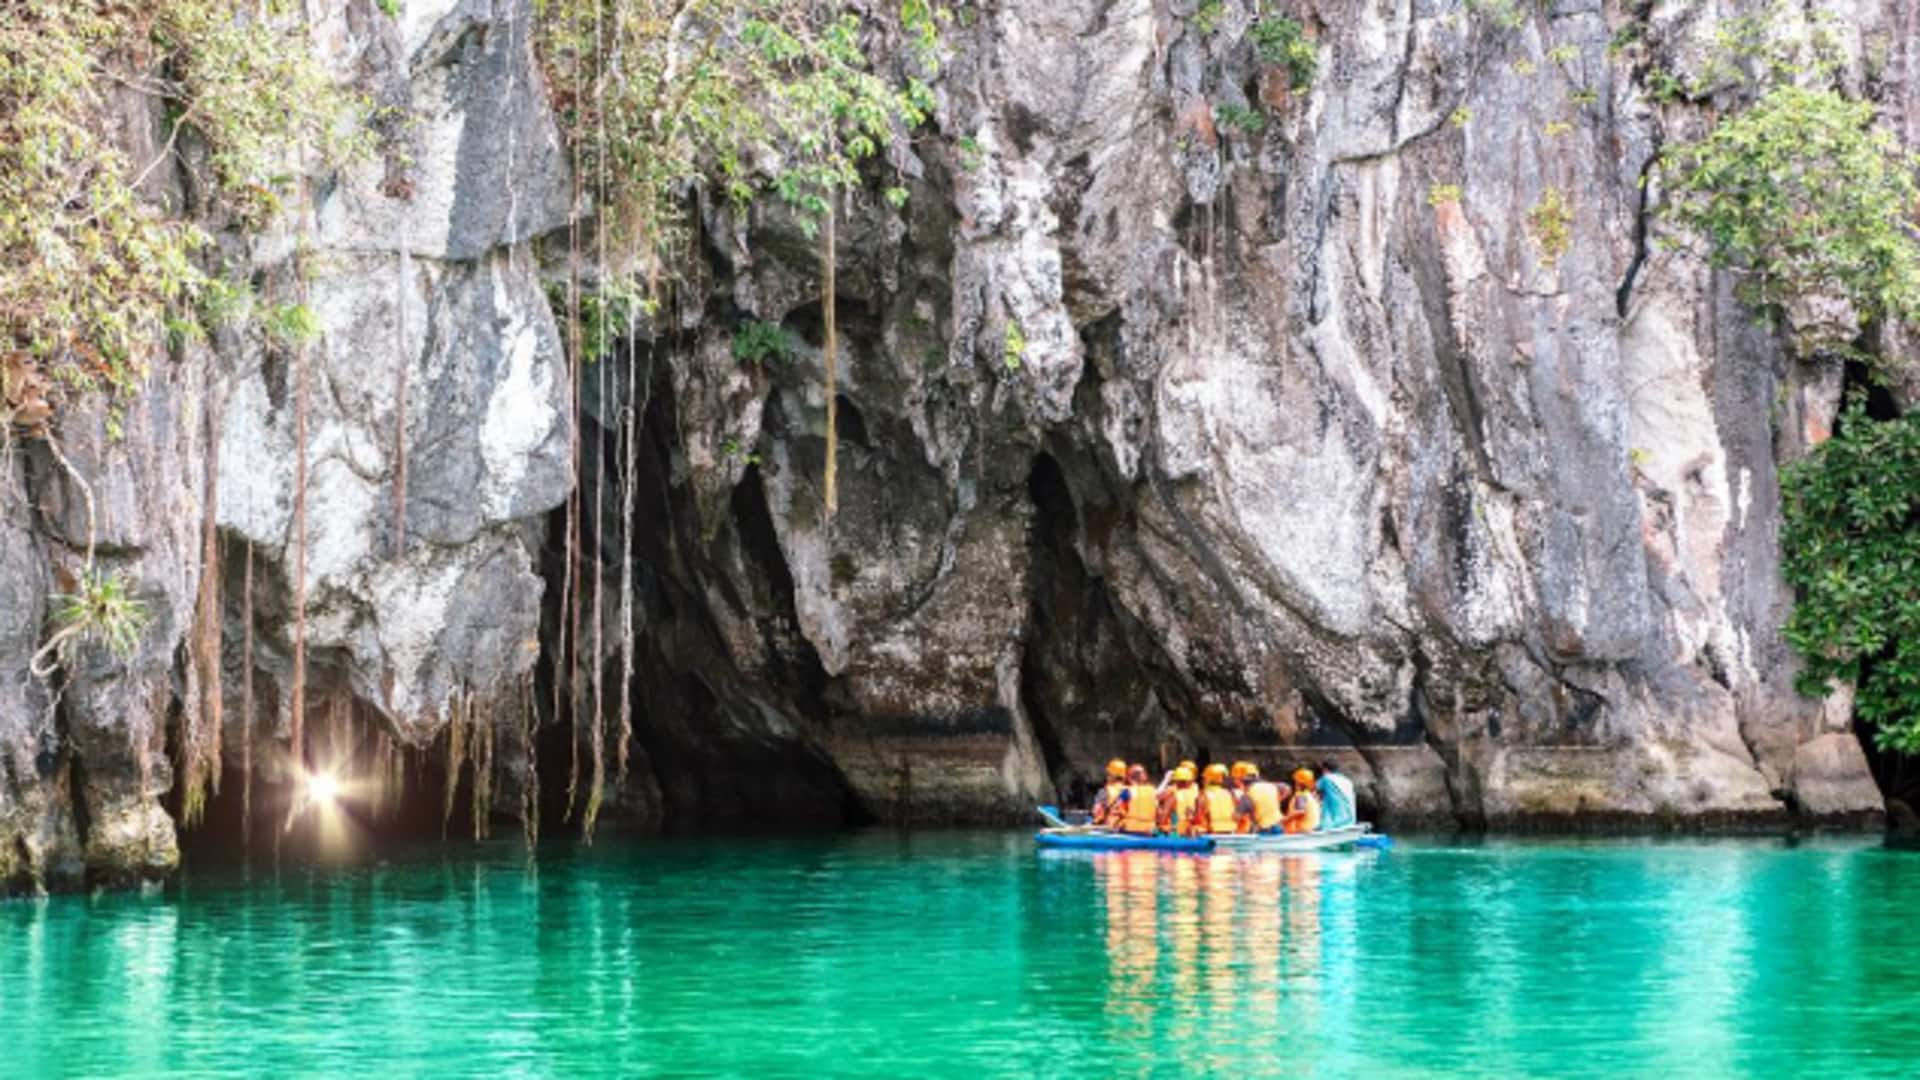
[
  {"x": 1109, "y": 797},
  {"x": 1216, "y": 811},
  {"x": 1138, "y": 808},
  {"x": 1262, "y": 808},
  {"x": 1338, "y": 807},
  {"x": 1178, "y": 802},
  {"x": 1303, "y": 809},
  {"x": 1166, "y": 780},
  {"x": 1237, "y": 786}
]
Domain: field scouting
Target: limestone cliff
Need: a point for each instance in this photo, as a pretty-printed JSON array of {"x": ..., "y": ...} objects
[{"x": 1160, "y": 435}]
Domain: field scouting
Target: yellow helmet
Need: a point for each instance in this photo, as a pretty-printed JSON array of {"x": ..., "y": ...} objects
[
  {"x": 1303, "y": 778},
  {"x": 1240, "y": 770},
  {"x": 1252, "y": 773},
  {"x": 1188, "y": 765},
  {"x": 1216, "y": 774},
  {"x": 1117, "y": 769},
  {"x": 1183, "y": 775}
]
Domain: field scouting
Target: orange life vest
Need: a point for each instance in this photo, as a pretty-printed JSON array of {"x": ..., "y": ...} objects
[
  {"x": 1143, "y": 806},
  {"x": 1184, "y": 800},
  {"x": 1303, "y": 813},
  {"x": 1220, "y": 815},
  {"x": 1108, "y": 804},
  {"x": 1266, "y": 805}
]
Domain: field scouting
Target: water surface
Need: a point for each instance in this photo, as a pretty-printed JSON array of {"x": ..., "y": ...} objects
[{"x": 971, "y": 954}]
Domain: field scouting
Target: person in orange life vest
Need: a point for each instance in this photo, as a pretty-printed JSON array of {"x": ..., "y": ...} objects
[
  {"x": 1178, "y": 802},
  {"x": 1138, "y": 807},
  {"x": 1105, "y": 802},
  {"x": 1237, "y": 785},
  {"x": 1261, "y": 806},
  {"x": 1214, "y": 812},
  {"x": 1303, "y": 810}
]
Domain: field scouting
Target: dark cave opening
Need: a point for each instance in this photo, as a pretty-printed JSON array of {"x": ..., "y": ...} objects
[{"x": 388, "y": 798}]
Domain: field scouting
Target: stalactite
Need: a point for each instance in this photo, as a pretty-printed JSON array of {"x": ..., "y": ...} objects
[
  {"x": 456, "y": 756},
  {"x": 246, "y": 701},
  {"x": 201, "y": 734},
  {"x": 401, "y": 365},
  {"x": 530, "y": 785},
  {"x": 831, "y": 350},
  {"x": 481, "y": 720}
]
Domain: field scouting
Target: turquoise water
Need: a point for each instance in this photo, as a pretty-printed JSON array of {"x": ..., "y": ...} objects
[{"x": 969, "y": 954}]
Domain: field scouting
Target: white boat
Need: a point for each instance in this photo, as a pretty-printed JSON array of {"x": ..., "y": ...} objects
[{"x": 1345, "y": 836}]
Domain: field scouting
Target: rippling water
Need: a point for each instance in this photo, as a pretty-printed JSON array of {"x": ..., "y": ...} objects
[{"x": 971, "y": 954}]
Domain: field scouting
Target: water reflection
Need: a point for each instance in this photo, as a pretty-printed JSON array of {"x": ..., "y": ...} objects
[
  {"x": 970, "y": 955},
  {"x": 1224, "y": 953}
]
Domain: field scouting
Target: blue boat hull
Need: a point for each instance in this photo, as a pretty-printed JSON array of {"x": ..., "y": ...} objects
[{"x": 1098, "y": 841}]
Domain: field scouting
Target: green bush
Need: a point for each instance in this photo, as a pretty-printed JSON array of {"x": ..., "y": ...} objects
[
  {"x": 756, "y": 342},
  {"x": 1804, "y": 197},
  {"x": 91, "y": 276},
  {"x": 1237, "y": 118},
  {"x": 1551, "y": 224},
  {"x": 1282, "y": 42},
  {"x": 1850, "y": 547},
  {"x": 101, "y": 610}
]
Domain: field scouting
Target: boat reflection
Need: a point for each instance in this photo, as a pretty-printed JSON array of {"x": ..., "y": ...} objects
[{"x": 1227, "y": 952}]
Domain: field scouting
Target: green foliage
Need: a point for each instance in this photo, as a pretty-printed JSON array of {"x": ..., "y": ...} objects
[
  {"x": 100, "y": 610},
  {"x": 1563, "y": 54},
  {"x": 1523, "y": 67},
  {"x": 1282, "y": 42},
  {"x": 1584, "y": 98},
  {"x": 1850, "y": 547},
  {"x": 1443, "y": 193},
  {"x": 1239, "y": 118},
  {"x": 756, "y": 342},
  {"x": 1550, "y": 222},
  {"x": 1207, "y": 18},
  {"x": 971, "y": 152},
  {"x": 392, "y": 8},
  {"x": 1503, "y": 14},
  {"x": 291, "y": 325},
  {"x": 1803, "y": 196},
  {"x": 747, "y": 96},
  {"x": 1555, "y": 129},
  {"x": 1015, "y": 350},
  {"x": 1460, "y": 117},
  {"x": 92, "y": 278}
]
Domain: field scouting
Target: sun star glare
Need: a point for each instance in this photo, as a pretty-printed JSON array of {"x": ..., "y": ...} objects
[{"x": 322, "y": 787}]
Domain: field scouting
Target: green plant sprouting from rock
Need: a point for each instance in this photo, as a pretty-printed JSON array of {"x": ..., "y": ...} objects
[
  {"x": 1550, "y": 223},
  {"x": 1850, "y": 547},
  {"x": 101, "y": 610},
  {"x": 746, "y": 97},
  {"x": 1279, "y": 41},
  {"x": 93, "y": 273},
  {"x": 1803, "y": 197},
  {"x": 757, "y": 341},
  {"x": 1240, "y": 119}
]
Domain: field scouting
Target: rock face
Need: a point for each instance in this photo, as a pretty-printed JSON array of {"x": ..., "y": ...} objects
[
  {"x": 438, "y": 362},
  {"x": 1183, "y": 411},
  {"x": 1381, "y": 432}
]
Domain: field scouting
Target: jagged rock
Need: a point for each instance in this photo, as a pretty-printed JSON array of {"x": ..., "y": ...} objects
[{"x": 1157, "y": 436}]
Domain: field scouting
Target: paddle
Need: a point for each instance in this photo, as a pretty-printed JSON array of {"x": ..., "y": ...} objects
[{"x": 1052, "y": 816}]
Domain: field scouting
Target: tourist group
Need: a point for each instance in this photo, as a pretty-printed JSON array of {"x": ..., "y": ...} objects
[{"x": 1226, "y": 800}]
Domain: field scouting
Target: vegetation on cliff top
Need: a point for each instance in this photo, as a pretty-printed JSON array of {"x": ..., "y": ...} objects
[
  {"x": 1804, "y": 198},
  {"x": 94, "y": 276}
]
